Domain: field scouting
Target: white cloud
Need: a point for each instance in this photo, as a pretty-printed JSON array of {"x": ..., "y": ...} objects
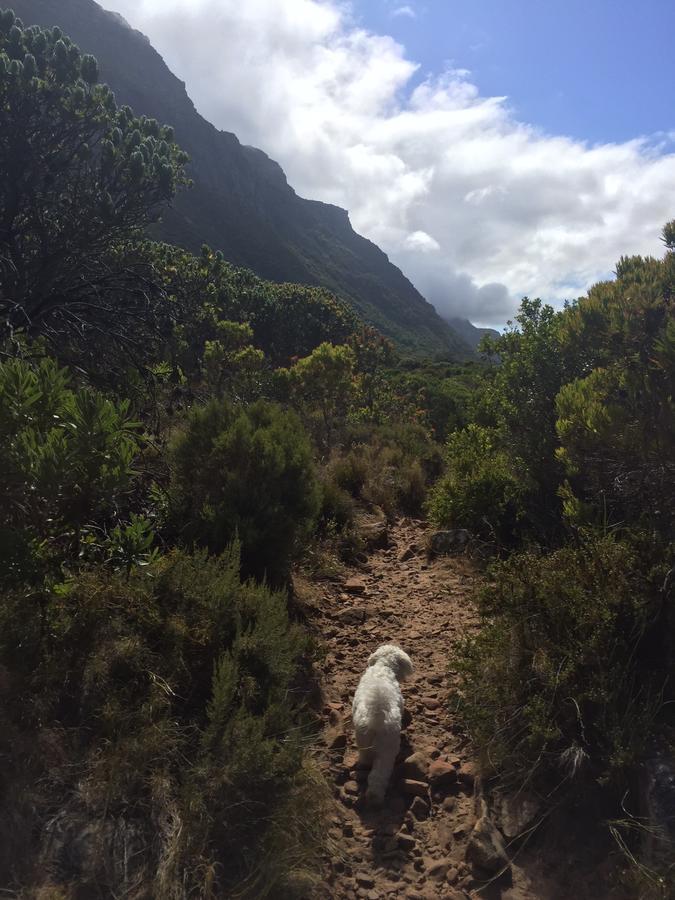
[
  {"x": 476, "y": 207},
  {"x": 404, "y": 11}
]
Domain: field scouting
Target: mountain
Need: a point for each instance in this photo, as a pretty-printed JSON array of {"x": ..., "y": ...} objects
[
  {"x": 469, "y": 333},
  {"x": 241, "y": 202}
]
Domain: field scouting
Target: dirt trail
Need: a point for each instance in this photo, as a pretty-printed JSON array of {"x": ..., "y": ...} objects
[{"x": 414, "y": 847}]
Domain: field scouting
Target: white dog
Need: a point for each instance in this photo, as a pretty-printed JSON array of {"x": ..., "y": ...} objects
[{"x": 377, "y": 711}]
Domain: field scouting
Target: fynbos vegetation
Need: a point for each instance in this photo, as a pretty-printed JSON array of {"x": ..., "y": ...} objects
[{"x": 178, "y": 434}]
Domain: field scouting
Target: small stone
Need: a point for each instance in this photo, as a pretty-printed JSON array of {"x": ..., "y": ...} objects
[
  {"x": 459, "y": 832},
  {"x": 412, "y": 788},
  {"x": 336, "y": 739},
  {"x": 351, "y": 787},
  {"x": 419, "y": 809},
  {"x": 449, "y": 804},
  {"x": 350, "y": 760},
  {"x": 355, "y": 586},
  {"x": 451, "y": 875},
  {"x": 431, "y": 703},
  {"x": 354, "y": 615},
  {"x": 405, "y": 841},
  {"x": 437, "y": 868},
  {"x": 516, "y": 814},
  {"x": 467, "y": 773},
  {"x": 348, "y": 829},
  {"x": 485, "y": 849},
  {"x": 408, "y": 553},
  {"x": 442, "y": 775},
  {"x": 416, "y": 766},
  {"x": 443, "y": 542},
  {"x": 364, "y": 880}
]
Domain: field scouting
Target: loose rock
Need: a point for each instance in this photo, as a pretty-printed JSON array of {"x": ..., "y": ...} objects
[
  {"x": 442, "y": 776},
  {"x": 412, "y": 788},
  {"x": 486, "y": 848}
]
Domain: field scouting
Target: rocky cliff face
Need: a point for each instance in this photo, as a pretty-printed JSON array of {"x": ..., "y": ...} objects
[{"x": 240, "y": 201}]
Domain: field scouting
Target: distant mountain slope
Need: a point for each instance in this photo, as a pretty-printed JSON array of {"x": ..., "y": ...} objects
[
  {"x": 241, "y": 202},
  {"x": 469, "y": 333}
]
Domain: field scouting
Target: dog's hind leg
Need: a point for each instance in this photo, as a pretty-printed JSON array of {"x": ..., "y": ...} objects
[
  {"x": 364, "y": 742},
  {"x": 387, "y": 744}
]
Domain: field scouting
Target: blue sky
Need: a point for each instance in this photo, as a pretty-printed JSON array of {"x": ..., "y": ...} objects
[
  {"x": 492, "y": 148},
  {"x": 598, "y": 70}
]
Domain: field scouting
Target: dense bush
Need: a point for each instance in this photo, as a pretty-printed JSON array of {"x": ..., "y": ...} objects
[
  {"x": 568, "y": 673},
  {"x": 245, "y": 472},
  {"x": 166, "y": 696},
  {"x": 67, "y": 460},
  {"x": 481, "y": 488}
]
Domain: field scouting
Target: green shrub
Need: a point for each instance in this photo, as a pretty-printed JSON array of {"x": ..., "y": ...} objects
[
  {"x": 337, "y": 507},
  {"x": 480, "y": 490},
  {"x": 247, "y": 473},
  {"x": 67, "y": 461},
  {"x": 172, "y": 688},
  {"x": 569, "y": 670}
]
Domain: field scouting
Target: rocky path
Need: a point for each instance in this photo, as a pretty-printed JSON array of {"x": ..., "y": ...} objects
[{"x": 415, "y": 846}]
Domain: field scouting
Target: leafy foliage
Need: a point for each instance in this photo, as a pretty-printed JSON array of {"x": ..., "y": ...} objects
[
  {"x": 285, "y": 320},
  {"x": 324, "y": 383},
  {"x": 80, "y": 177},
  {"x": 246, "y": 473},
  {"x": 67, "y": 460},
  {"x": 480, "y": 489}
]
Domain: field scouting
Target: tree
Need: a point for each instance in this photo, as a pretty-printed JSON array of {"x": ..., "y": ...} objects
[
  {"x": 520, "y": 401},
  {"x": 616, "y": 424},
  {"x": 323, "y": 382},
  {"x": 80, "y": 178}
]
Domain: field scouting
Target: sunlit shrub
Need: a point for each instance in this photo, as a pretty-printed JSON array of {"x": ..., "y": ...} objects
[{"x": 480, "y": 490}]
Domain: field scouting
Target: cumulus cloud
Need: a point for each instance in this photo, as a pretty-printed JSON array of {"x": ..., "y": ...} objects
[{"x": 476, "y": 207}]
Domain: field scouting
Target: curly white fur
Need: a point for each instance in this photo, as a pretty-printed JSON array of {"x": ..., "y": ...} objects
[{"x": 377, "y": 711}]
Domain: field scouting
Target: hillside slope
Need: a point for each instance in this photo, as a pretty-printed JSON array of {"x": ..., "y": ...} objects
[{"x": 241, "y": 202}]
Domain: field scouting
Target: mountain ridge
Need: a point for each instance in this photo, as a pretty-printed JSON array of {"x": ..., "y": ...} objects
[{"x": 241, "y": 202}]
